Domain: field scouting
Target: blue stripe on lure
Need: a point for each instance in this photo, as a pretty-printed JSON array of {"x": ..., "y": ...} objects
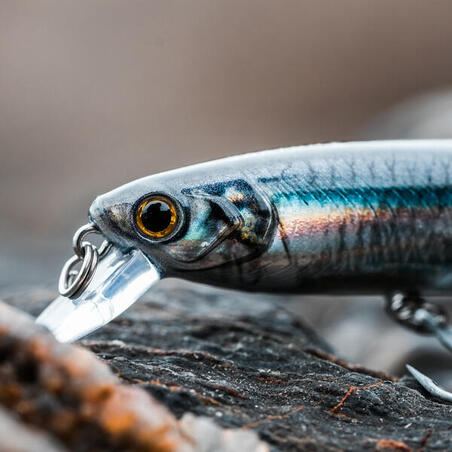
[{"x": 364, "y": 217}]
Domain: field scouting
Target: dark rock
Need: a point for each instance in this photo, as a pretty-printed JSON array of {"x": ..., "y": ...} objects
[{"x": 247, "y": 363}]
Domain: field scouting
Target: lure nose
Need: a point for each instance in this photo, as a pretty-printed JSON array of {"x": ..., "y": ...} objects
[
  {"x": 112, "y": 213},
  {"x": 111, "y": 216},
  {"x": 119, "y": 280}
]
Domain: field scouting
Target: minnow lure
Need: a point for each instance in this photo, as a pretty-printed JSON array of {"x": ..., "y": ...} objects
[{"x": 364, "y": 217}]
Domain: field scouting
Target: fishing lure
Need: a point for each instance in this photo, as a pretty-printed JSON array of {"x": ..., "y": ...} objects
[{"x": 350, "y": 218}]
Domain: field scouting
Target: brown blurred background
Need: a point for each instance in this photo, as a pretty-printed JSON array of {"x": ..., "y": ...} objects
[{"x": 96, "y": 93}]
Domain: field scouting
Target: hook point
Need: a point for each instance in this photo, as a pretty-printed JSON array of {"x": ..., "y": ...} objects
[{"x": 429, "y": 385}]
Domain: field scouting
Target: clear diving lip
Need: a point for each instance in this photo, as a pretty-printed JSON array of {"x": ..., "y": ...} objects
[{"x": 120, "y": 279}]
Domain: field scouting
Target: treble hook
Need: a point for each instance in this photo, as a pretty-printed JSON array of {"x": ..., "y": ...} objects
[
  {"x": 443, "y": 333},
  {"x": 413, "y": 311}
]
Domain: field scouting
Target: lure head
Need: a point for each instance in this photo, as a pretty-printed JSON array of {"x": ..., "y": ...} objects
[
  {"x": 190, "y": 223},
  {"x": 186, "y": 221}
]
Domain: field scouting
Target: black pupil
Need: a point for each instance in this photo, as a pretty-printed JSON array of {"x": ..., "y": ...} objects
[{"x": 156, "y": 216}]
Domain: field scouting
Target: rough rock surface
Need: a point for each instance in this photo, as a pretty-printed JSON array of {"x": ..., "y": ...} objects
[{"x": 247, "y": 363}]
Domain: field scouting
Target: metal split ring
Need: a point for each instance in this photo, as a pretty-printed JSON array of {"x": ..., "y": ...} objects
[
  {"x": 73, "y": 282},
  {"x": 81, "y": 233}
]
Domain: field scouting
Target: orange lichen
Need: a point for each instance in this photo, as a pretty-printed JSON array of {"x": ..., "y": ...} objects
[
  {"x": 98, "y": 392},
  {"x": 118, "y": 422},
  {"x": 350, "y": 391},
  {"x": 10, "y": 392},
  {"x": 24, "y": 408},
  {"x": 38, "y": 349},
  {"x": 64, "y": 422},
  {"x": 391, "y": 444},
  {"x": 272, "y": 380},
  {"x": 272, "y": 418}
]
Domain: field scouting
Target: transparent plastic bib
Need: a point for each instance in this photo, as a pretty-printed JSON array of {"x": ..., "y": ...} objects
[{"x": 120, "y": 279}]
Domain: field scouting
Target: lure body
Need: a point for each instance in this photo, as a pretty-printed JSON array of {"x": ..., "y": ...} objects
[{"x": 364, "y": 217}]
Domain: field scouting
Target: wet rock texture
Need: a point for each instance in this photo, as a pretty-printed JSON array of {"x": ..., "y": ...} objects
[{"x": 240, "y": 360}]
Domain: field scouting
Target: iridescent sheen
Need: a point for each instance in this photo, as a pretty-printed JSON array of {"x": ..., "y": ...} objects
[{"x": 345, "y": 217}]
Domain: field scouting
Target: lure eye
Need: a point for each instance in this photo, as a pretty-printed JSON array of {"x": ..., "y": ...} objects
[{"x": 157, "y": 217}]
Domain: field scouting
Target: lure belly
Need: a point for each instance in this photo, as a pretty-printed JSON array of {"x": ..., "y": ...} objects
[{"x": 363, "y": 217}]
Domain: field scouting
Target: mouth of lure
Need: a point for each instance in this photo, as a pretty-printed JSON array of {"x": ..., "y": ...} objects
[{"x": 106, "y": 288}]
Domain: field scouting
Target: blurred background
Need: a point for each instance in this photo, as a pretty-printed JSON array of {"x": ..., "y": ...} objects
[{"x": 94, "y": 94}]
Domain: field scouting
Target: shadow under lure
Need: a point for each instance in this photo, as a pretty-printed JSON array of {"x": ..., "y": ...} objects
[{"x": 350, "y": 218}]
